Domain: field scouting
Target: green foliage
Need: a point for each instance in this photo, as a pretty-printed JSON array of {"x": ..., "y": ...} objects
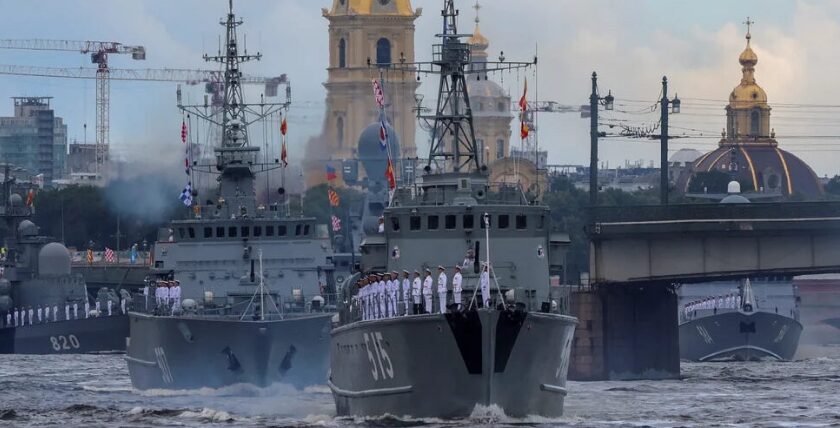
[
  {"x": 710, "y": 182},
  {"x": 833, "y": 186}
]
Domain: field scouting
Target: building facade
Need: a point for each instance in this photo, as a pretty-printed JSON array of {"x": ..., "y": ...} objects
[
  {"x": 362, "y": 34},
  {"x": 34, "y": 138}
]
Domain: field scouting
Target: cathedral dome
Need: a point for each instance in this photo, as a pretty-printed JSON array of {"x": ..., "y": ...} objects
[
  {"x": 373, "y": 158},
  {"x": 478, "y": 41},
  {"x": 747, "y": 94}
]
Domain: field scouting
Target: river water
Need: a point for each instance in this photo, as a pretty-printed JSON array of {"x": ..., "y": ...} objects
[{"x": 95, "y": 391}]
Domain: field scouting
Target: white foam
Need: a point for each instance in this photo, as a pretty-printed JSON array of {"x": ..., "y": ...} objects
[{"x": 208, "y": 414}]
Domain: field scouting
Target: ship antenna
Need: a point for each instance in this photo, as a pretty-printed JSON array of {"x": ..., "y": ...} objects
[{"x": 453, "y": 133}]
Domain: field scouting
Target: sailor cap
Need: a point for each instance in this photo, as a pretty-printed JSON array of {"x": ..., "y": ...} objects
[
  {"x": 458, "y": 267},
  {"x": 428, "y": 270},
  {"x": 441, "y": 267},
  {"x": 405, "y": 271}
]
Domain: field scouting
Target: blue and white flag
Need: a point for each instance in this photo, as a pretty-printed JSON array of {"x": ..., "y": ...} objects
[{"x": 186, "y": 195}]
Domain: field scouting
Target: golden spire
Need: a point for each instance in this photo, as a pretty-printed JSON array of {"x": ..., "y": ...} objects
[
  {"x": 747, "y": 94},
  {"x": 478, "y": 41}
]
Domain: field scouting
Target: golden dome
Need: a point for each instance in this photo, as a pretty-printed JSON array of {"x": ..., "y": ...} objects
[
  {"x": 372, "y": 7},
  {"x": 478, "y": 41},
  {"x": 747, "y": 94}
]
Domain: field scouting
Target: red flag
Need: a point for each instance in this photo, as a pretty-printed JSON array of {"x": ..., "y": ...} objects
[
  {"x": 283, "y": 154},
  {"x": 30, "y": 197},
  {"x": 283, "y": 127},
  {"x": 378, "y": 95},
  {"x": 389, "y": 174},
  {"x": 523, "y": 102},
  {"x": 523, "y": 130},
  {"x": 331, "y": 174},
  {"x": 183, "y": 131}
]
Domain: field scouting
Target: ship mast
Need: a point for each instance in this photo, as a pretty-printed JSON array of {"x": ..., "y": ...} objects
[
  {"x": 236, "y": 159},
  {"x": 453, "y": 134}
]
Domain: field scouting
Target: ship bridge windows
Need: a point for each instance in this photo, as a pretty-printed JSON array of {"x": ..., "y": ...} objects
[
  {"x": 450, "y": 222},
  {"x": 414, "y": 222},
  {"x": 182, "y": 233},
  {"x": 281, "y": 230},
  {"x": 220, "y": 232},
  {"x": 433, "y": 222},
  {"x": 257, "y": 231},
  {"x": 298, "y": 229},
  {"x": 269, "y": 231},
  {"x": 208, "y": 232},
  {"x": 246, "y": 231},
  {"x": 521, "y": 222},
  {"x": 541, "y": 222},
  {"x": 469, "y": 221},
  {"x": 191, "y": 232},
  {"x": 305, "y": 230},
  {"x": 232, "y": 232},
  {"x": 395, "y": 224},
  {"x": 504, "y": 221}
]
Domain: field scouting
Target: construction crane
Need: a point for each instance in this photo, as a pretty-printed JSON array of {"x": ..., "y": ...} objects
[{"x": 99, "y": 52}]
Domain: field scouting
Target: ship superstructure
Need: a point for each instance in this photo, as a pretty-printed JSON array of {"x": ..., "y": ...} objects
[
  {"x": 512, "y": 352},
  {"x": 255, "y": 285}
]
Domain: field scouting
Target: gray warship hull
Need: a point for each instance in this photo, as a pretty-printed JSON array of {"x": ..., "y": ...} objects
[
  {"x": 445, "y": 365},
  {"x": 80, "y": 336},
  {"x": 196, "y": 352},
  {"x": 740, "y": 336}
]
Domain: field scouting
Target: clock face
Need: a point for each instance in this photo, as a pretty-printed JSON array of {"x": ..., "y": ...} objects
[
  {"x": 342, "y": 2},
  {"x": 384, "y": 2}
]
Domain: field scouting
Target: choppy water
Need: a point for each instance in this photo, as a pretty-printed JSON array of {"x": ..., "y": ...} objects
[{"x": 95, "y": 391}]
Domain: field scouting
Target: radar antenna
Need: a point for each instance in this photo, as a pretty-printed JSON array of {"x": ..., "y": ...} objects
[{"x": 453, "y": 134}]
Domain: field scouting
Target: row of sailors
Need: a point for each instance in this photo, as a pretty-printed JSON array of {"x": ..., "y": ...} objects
[
  {"x": 730, "y": 301},
  {"x": 23, "y": 316},
  {"x": 386, "y": 295},
  {"x": 167, "y": 294}
]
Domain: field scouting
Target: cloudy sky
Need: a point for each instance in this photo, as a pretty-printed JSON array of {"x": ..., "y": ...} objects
[{"x": 631, "y": 44}]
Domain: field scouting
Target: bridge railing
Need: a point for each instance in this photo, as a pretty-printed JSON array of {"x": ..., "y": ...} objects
[{"x": 752, "y": 211}]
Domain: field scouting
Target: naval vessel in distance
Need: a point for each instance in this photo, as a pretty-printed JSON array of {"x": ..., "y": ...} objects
[
  {"x": 730, "y": 320},
  {"x": 36, "y": 274},
  {"x": 257, "y": 284},
  {"x": 513, "y": 354}
]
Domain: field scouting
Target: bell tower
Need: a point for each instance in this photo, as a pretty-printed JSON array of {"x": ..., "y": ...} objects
[{"x": 363, "y": 33}]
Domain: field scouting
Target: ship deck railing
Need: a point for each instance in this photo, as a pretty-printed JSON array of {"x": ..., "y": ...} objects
[{"x": 238, "y": 307}]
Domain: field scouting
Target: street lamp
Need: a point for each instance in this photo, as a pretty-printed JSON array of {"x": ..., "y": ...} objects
[
  {"x": 594, "y": 101},
  {"x": 664, "y": 181}
]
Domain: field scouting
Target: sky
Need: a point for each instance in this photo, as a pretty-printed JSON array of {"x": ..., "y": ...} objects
[{"x": 631, "y": 44}]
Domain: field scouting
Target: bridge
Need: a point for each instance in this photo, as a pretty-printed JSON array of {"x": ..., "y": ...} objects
[{"x": 638, "y": 254}]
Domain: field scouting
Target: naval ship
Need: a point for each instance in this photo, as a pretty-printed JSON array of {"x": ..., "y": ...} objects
[
  {"x": 36, "y": 277},
  {"x": 256, "y": 284},
  {"x": 512, "y": 353},
  {"x": 739, "y": 321}
]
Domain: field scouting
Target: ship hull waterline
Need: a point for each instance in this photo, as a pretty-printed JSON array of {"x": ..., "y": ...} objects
[
  {"x": 214, "y": 352},
  {"x": 94, "y": 335},
  {"x": 740, "y": 336},
  {"x": 445, "y": 365}
]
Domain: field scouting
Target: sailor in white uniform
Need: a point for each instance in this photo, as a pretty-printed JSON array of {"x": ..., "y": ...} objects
[
  {"x": 416, "y": 286},
  {"x": 441, "y": 289},
  {"x": 406, "y": 291},
  {"x": 66, "y": 312},
  {"x": 484, "y": 284},
  {"x": 395, "y": 293},
  {"x": 382, "y": 296},
  {"x": 17, "y": 316},
  {"x": 456, "y": 286},
  {"x": 75, "y": 311},
  {"x": 146, "y": 294},
  {"x": 8, "y": 319},
  {"x": 427, "y": 292},
  {"x": 164, "y": 294},
  {"x": 175, "y": 295},
  {"x": 55, "y": 312},
  {"x": 31, "y": 313},
  {"x": 389, "y": 288},
  {"x": 98, "y": 307},
  {"x": 110, "y": 304},
  {"x": 40, "y": 313}
]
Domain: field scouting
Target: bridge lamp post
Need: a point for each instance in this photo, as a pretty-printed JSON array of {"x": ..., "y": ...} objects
[
  {"x": 594, "y": 101},
  {"x": 664, "y": 181}
]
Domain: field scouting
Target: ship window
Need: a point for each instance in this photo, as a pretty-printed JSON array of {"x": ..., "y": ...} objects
[
  {"x": 504, "y": 221},
  {"x": 469, "y": 221},
  {"x": 395, "y": 224},
  {"x": 246, "y": 231},
  {"x": 541, "y": 222},
  {"x": 450, "y": 221},
  {"x": 269, "y": 231},
  {"x": 208, "y": 232},
  {"x": 191, "y": 231},
  {"x": 220, "y": 232},
  {"x": 298, "y": 229},
  {"x": 257, "y": 231},
  {"x": 281, "y": 230},
  {"x": 306, "y": 230},
  {"x": 433, "y": 222},
  {"x": 414, "y": 222},
  {"x": 181, "y": 232},
  {"x": 232, "y": 232},
  {"x": 521, "y": 222}
]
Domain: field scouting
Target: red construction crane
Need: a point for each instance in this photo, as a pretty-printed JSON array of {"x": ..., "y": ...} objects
[{"x": 99, "y": 52}]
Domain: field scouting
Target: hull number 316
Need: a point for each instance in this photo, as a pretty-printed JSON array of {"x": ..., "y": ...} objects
[
  {"x": 381, "y": 367},
  {"x": 64, "y": 343}
]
